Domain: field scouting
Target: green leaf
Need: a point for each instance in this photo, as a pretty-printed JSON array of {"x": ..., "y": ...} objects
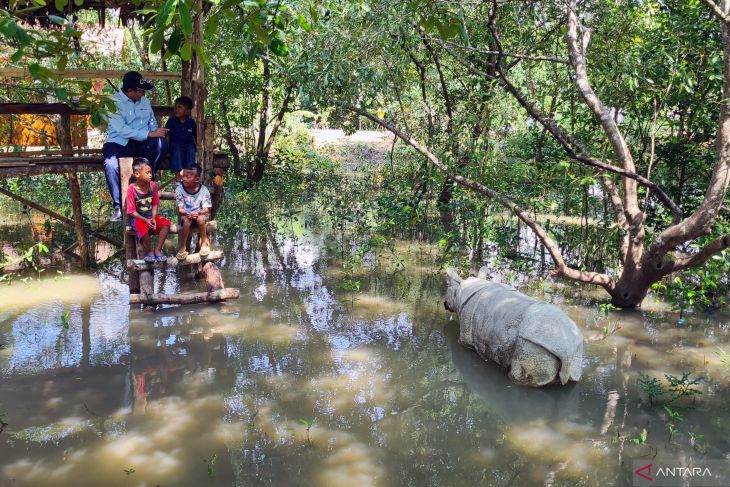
[
  {"x": 17, "y": 55},
  {"x": 186, "y": 51},
  {"x": 186, "y": 23},
  {"x": 22, "y": 36},
  {"x": 304, "y": 23},
  {"x": 61, "y": 93},
  {"x": 9, "y": 28},
  {"x": 279, "y": 47},
  {"x": 62, "y": 63},
  {"x": 78, "y": 3},
  {"x": 56, "y": 19},
  {"x": 95, "y": 119},
  {"x": 164, "y": 15},
  {"x": 61, "y": 4},
  {"x": 156, "y": 41},
  {"x": 175, "y": 41}
]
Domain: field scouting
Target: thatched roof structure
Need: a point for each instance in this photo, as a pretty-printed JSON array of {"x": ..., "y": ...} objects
[{"x": 127, "y": 11}]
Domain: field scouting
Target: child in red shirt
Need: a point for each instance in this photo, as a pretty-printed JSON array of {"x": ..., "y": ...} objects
[{"x": 143, "y": 200}]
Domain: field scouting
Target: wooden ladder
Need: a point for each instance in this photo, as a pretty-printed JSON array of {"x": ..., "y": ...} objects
[{"x": 141, "y": 273}]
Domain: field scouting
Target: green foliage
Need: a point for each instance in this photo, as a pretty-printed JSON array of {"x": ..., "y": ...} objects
[
  {"x": 307, "y": 423},
  {"x": 66, "y": 320},
  {"x": 676, "y": 388},
  {"x": 210, "y": 465},
  {"x": 641, "y": 439},
  {"x": 650, "y": 386},
  {"x": 31, "y": 257}
]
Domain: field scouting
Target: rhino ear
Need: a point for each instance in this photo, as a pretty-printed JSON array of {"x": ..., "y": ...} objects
[
  {"x": 483, "y": 273},
  {"x": 452, "y": 276}
]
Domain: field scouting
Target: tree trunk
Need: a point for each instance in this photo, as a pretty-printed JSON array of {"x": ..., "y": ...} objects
[
  {"x": 260, "y": 158},
  {"x": 63, "y": 135}
]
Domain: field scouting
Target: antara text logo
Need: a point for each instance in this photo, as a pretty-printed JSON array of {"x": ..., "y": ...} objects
[{"x": 707, "y": 473}]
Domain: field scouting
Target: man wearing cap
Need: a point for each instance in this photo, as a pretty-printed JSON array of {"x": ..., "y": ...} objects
[{"x": 133, "y": 132}]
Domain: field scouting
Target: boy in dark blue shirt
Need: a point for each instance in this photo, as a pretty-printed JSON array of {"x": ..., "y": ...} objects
[{"x": 182, "y": 132}]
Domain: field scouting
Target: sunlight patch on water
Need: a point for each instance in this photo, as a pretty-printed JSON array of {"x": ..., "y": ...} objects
[
  {"x": 69, "y": 289},
  {"x": 351, "y": 463},
  {"x": 357, "y": 387},
  {"x": 550, "y": 444}
]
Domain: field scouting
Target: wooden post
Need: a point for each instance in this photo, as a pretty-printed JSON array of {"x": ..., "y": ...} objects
[
  {"x": 193, "y": 80},
  {"x": 63, "y": 135},
  {"x": 146, "y": 277},
  {"x": 130, "y": 240}
]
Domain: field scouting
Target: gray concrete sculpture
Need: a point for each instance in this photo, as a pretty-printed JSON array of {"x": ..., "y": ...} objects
[{"x": 536, "y": 342}]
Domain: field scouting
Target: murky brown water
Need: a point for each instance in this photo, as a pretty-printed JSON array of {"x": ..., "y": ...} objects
[{"x": 222, "y": 395}]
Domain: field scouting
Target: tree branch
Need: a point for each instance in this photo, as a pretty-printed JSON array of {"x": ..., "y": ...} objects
[
  {"x": 602, "y": 113},
  {"x": 694, "y": 260},
  {"x": 572, "y": 147},
  {"x": 717, "y": 11},
  {"x": 561, "y": 269}
]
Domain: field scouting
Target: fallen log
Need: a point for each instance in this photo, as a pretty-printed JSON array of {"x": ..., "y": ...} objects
[{"x": 185, "y": 298}]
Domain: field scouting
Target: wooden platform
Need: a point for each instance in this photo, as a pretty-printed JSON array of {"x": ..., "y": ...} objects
[{"x": 14, "y": 166}]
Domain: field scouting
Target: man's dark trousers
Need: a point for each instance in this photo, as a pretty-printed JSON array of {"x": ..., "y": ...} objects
[{"x": 153, "y": 149}]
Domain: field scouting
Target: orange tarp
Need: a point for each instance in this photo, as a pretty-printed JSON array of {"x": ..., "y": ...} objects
[{"x": 39, "y": 130}]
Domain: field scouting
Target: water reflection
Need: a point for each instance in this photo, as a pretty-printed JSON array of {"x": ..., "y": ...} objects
[{"x": 302, "y": 382}]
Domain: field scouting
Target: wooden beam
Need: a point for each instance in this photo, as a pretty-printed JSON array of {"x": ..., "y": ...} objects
[
  {"x": 141, "y": 264},
  {"x": 92, "y": 74},
  {"x": 50, "y": 213},
  {"x": 34, "y": 166},
  {"x": 54, "y": 152},
  {"x": 61, "y": 109},
  {"x": 185, "y": 298},
  {"x": 38, "y": 207}
]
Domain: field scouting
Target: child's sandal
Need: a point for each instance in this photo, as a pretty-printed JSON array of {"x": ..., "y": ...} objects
[
  {"x": 150, "y": 258},
  {"x": 182, "y": 255}
]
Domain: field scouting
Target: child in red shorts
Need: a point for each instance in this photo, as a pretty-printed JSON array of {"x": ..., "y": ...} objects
[{"x": 142, "y": 203}]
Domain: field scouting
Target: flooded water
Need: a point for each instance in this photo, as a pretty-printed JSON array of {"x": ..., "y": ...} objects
[{"x": 304, "y": 382}]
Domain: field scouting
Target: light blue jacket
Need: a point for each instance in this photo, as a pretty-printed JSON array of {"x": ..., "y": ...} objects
[{"x": 132, "y": 120}]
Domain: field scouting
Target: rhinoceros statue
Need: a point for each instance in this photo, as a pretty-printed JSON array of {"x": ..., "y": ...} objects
[{"x": 535, "y": 342}]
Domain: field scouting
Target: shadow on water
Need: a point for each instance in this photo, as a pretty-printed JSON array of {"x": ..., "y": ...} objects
[{"x": 511, "y": 403}]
